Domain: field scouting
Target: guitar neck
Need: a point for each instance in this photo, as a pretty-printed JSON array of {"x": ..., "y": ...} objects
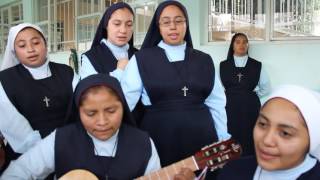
[{"x": 168, "y": 172}]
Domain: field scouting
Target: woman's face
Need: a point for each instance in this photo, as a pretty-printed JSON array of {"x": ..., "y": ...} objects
[
  {"x": 240, "y": 46},
  {"x": 120, "y": 27},
  {"x": 281, "y": 136},
  {"x": 172, "y": 25},
  {"x": 101, "y": 112},
  {"x": 30, "y": 48}
]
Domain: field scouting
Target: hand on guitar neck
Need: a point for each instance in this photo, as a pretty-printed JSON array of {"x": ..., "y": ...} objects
[{"x": 213, "y": 156}]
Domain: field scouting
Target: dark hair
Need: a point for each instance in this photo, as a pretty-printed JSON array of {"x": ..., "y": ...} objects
[
  {"x": 231, "y": 51},
  {"x": 94, "y": 90}
]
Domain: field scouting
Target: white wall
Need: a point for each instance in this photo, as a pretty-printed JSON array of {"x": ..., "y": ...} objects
[{"x": 286, "y": 62}]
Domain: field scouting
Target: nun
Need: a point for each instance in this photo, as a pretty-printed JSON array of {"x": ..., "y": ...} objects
[
  {"x": 286, "y": 139},
  {"x": 112, "y": 45},
  {"x": 34, "y": 92},
  {"x": 103, "y": 140},
  {"x": 245, "y": 81},
  {"x": 184, "y": 99}
]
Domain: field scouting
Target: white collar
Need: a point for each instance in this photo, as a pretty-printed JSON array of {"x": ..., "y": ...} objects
[
  {"x": 40, "y": 72},
  {"x": 107, "y": 147},
  {"x": 288, "y": 174},
  {"x": 174, "y": 53},
  {"x": 118, "y": 51},
  {"x": 240, "y": 61}
]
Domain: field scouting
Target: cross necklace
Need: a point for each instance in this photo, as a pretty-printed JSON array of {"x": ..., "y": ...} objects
[{"x": 181, "y": 67}]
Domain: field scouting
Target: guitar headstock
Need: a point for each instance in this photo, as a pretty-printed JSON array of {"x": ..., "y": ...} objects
[{"x": 217, "y": 154}]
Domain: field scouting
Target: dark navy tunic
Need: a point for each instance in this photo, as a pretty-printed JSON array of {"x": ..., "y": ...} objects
[
  {"x": 74, "y": 149},
  {"x": 179, "y": 125},
  {"x": 243, "y": 104},
  {"x": 29, "y": 97}
]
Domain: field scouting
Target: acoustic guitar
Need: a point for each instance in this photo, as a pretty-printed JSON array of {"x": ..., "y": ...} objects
[{"x": 213, "y": 156}]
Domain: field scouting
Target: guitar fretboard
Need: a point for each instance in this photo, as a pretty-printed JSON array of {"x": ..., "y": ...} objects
[{"x": 168, "y": 172}]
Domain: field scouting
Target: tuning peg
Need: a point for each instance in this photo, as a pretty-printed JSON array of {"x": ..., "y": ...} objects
[{"x": 222, "y": 147}]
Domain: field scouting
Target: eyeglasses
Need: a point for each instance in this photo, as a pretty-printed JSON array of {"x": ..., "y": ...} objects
[{"x": 166, "y": 22}]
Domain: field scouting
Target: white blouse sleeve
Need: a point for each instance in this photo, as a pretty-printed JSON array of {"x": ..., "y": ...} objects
[
  {"x": 131, "y": 83},
  {"x": 154, "y": 161},
  {"x": 15, "y": 127},
  {"x": 86, "y": 68},
  {"x": 75, "y": 80},
  {"x": 37, "y": 163},
  {"x": 216, "y": 102},
  {"x": 263, "y": 88}
]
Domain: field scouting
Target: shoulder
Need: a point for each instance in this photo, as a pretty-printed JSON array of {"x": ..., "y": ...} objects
[
  {"x": 196, "y": 52},
  {"x": 10, "y": 73},
  {"x": 254, "y": 61},
  {"x": 148, "y": 50},
  {"x": 312, "y": 174},
  {"x": 68, "y": 130},
  {"x": 135, "y": 131},
  {"x": 133, "y": 49},
  {"x": 61, "y": 66},
  {"x": 93, "y": 50},
  {"x": 224, "y": 62}
]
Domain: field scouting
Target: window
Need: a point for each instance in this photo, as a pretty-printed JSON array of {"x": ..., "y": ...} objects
[
  {"x": 143, "y": 15},
  {"x": 72, "y": 23},
  {"x": 287, "y": 19},
  {"x": 88, "y": 16},
  {"x": 55, "y": 17},
  {"x": 227, "y": 17},
  {"x": 10, "y": 15},
  {"x": 296, "y": 19}
]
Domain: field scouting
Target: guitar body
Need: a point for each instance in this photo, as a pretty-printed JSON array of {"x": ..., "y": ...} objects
[{"x": 79, "y": 174}]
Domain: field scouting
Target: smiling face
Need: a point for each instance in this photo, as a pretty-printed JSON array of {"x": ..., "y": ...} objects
[
  {"x": 120, "y": 27},
  {"x": 30, "y": 48},
  {"x": 280, "y": 135},
  {"x": 101, "y": 112},
  {"x": 172, "y": 25}
]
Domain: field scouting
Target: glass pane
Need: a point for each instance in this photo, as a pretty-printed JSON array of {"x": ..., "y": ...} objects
[
  {"x": 15, "y": 13},
  {"x": 108, "y": 3},
  {"x": 64, "y": 26},
  {"x": 5, "y": 16},
  {"x": 83, "y": 7},
  {"x": 142, "y": 21},
  {"x": 86, "y": 30},
  {"x": 41, "y": 7},
  {"x": 227, "y": 17},
  {"x": 296, "y": 18}
]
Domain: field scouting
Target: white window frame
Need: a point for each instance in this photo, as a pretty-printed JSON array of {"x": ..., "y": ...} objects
[
  {"x": 269, "y": 27},
  {"x": 10, "y": 21}
]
